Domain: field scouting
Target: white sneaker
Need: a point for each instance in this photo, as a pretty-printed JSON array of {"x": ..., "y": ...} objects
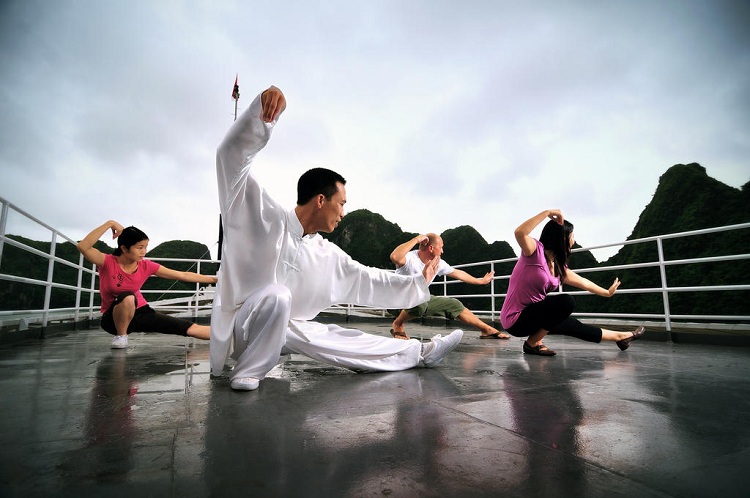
[
  {"x": 120, "y": 342},
  {"x": 245, "y": 384},
  {"x": 438, "y": 347}
]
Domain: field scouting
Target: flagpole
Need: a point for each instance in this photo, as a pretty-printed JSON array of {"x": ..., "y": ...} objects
[
  {"x": 236, "y": 98},
  {"x": 236, "y": 94}
]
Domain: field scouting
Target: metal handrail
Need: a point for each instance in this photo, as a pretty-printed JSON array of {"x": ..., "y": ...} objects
[
  {"x": 198, "y": 303},
  {"x": 662, "y": 264},
  {"x": 190, "y": 305}
]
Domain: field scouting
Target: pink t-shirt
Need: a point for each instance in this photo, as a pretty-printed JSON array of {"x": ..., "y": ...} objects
[
  {"x": 114, "y": 281},
  {"x": 529, "y": 283}
]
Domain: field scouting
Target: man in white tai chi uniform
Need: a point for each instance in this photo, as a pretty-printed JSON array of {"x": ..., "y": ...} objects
[{"x": 277, "y": 273}]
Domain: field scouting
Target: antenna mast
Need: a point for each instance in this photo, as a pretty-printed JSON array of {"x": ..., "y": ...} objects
[
  {"x": 236, "y": 94},
  {"x": 236, "y": 98}
]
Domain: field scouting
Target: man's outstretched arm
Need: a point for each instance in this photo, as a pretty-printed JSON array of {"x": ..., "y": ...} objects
[{"x": 470, "y": 279}]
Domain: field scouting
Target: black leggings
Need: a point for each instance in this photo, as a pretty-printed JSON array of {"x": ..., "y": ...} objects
[
  {"x": 146, "y": 319},
  {"x": 553, "y": 314}
]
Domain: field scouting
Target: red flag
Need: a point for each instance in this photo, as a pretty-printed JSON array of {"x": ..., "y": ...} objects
[{"x": 236, "y": 90}]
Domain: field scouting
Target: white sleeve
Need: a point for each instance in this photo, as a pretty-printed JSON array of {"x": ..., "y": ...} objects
[
  {"x": 368, "y": 286},
  {"x": 245, "y": 138}
]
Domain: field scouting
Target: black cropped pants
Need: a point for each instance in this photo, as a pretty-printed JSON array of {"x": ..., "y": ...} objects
[{"x": 553, "y": 314}]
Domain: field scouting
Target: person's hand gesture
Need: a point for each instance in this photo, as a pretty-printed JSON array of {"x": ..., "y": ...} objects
[
  {"x": 273, "y": 102},
  {"x": 430, "y": 269},
  {"x": 556, "y": 214},
  {"x": 116, "y": 229},
  {"x": 487, "y": 278},
  {"x": 613, "y": 288}
]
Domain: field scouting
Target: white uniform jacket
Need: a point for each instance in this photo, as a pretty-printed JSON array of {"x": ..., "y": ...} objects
[{"x": 264, "y": 244}]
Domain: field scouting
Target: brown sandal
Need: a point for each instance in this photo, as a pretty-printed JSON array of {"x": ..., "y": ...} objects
[
  {"x": 399, "y": 335},
  {"x": 496, "y": 335},
  {"x": 637, "y": 334},
  {"x": 540, "y": 350}
]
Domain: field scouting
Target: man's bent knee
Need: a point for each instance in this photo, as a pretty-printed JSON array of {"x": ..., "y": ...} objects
[{"x": 274, "y": 297}]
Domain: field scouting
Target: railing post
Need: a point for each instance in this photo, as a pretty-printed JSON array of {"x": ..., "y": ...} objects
[
  {"x": 79, "y": 283},
  {"x": 3, "y": 224},
  {"x": 197, "y": 291},
  {"x": 48, "y": 286},
  {"x": 492, "y": 292},
  {"x": 92, "y": 289},
  {"x": 664, "y": 290}
]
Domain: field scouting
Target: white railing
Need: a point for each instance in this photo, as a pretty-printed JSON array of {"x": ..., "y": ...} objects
[
  {"x": 199, "y": 303},
  {"x": 83, "y": 307},
  {"x": 667, "y": 317}
]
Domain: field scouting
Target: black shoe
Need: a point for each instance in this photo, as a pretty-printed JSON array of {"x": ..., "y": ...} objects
[
  {"x": 540, "y": 350},
  {"x": 637, "y": 334}
]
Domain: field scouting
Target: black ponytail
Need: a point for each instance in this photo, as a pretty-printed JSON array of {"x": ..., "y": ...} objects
[{"x": 556, "y": 238}]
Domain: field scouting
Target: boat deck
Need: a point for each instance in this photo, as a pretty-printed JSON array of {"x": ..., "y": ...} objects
[{"x": 661, "y": 419}]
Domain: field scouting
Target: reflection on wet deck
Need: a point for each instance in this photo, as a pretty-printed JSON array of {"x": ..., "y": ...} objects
[{"x": 661, "y": 419}]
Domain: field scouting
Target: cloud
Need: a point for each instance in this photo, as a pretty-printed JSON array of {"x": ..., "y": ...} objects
[{"x": 439, "y": 115}]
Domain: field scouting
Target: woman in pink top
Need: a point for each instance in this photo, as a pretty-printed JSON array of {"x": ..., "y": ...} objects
[
  {"x": 121, "y": 275},
  {"x": 529, "y": 309}
]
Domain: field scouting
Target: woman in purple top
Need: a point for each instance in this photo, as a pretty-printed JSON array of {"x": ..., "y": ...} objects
[{"x": 529, "y": 309}]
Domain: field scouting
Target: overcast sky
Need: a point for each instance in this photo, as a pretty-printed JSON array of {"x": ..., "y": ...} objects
[{"x": 438, "y": 114}]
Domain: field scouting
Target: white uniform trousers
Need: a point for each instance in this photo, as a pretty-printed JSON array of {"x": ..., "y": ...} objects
[{"x": 263, "y": 331}]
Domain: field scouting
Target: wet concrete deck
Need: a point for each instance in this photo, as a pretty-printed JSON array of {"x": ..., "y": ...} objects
[{"x": 662, "y": 419}]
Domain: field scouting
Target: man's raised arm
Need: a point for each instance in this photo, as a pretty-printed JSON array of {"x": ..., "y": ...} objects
[{"x": 398, "y": 256}]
